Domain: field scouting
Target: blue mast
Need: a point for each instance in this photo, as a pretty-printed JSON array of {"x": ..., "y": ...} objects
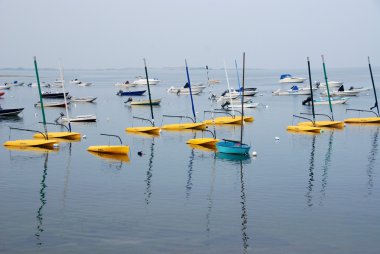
[{"x": 191, "y": 94}]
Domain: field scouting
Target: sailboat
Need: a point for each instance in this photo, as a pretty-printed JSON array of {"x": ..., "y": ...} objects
[
  {"x": 63, "y": 134},
  {"x": 147, "y": 129},
  {"x": 367, "y": 119},
  {"x": 304, "y": 128},
  {"x": 329, "y": 123},
  {"x": 184, "y": 126},
  {"x": 108, "y": 149},
  {"x": 45, "y": 143},
  {"x": 233, "y": 146},
  {"x": 231, "y": 119}
]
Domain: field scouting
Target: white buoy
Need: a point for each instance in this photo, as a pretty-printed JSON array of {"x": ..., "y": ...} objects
[
  {"x": 84, "y": 136},
  {"x": 254, "y": 153},
  {"x": 277, "y": 138},
  {"x": 56, "y": 145},
  {"x": 266, "y": 106},
  {"x": 35, "y": 114}
]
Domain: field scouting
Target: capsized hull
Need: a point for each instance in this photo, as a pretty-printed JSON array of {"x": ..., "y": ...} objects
[
  {"x": 184, "y": 126},
  {"x": 51, "y": 143},
  {"x": 203, "y": 141},
  {"x": 61, "y": 135},
  {"x": 325, "y": 124},
  {"x": 223, "y": 120},
  {"x": 362, "y": 120},
  {"x": 109, "y": 149},
  {"x": 146, "y": 129},
  {"x": 298, "y": 128}
]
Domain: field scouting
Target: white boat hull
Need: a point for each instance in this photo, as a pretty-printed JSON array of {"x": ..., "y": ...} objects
[
  {"x": 142, "y": 81},
  {"x": 292, "y": 80}
]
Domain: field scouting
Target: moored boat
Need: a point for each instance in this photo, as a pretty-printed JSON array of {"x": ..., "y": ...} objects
[{"x": 287, "y": 78}]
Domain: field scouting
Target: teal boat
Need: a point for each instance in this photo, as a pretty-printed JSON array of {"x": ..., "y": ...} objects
[{"x": 231, "y": 146}]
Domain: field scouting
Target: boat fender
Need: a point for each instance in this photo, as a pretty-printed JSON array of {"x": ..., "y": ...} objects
[
  {"x": 140, "y": 153},
  {"x": 277, "y": 138},
  {"x": 84, "y": 136},
  {"x": 56, "y": 145},
  {"x": 254, "y": 153}
]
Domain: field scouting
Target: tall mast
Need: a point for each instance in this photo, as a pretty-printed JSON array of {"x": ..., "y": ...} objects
[
  {"x": 64, "y": 94},
  {"x": 191, "y": 94},
  {"x": 229, "y": 90},
  {"x": 327, "y": 86},
  {"x": 39, "y": 92},
  {"x": 208, "y": 79},
  {"x": 237, "y": 74},
  {"x": 242, "y": 100},
  {"x": 374, "y": 88},
  {"x": 311, "y": 90},
  {"x": 150, "y": 98}
]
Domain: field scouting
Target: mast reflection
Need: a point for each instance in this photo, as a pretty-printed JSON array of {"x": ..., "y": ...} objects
[
  {"x": 209, "y": 198},
  {"x": 149, "y": 174},
  {"x": 309, "y": 192},
  {"x": 325, "y": 168},
  {"x": 372, "y": 160},
  {"x": 42, "y": 201},
  {"x": 244, "y": 216},
  {"x": 189, "y": 183}
]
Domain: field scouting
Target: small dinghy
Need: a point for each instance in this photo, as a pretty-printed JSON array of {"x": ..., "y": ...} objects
[
  {"x": 42, "y": 84},
  {"x": 4, "y": 87},
  {"x": 131, "y": 93},
  {"x": 53, "y": 95},
  {"x": 84, "y": 84},
  {"x": 107, "y": 149},
  {"x": 10, "y": 111},
  {"x": 321, "y": 101},
  {"x": 52, "y": 104},
  {"x": 83, "y": 99},
  {"x": 154, "y": 102},
  {"x": 79, "y": 118}
]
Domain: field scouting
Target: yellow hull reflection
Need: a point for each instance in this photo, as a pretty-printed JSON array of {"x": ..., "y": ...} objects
[{"x": 109, "y": 149}]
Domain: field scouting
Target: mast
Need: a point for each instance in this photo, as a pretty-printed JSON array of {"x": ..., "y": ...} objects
[
  {"x": 237, "y": 74},
  {"x": 229, "y": 90},
  {"x": 39, "y": 92},
  {"x": 64, "y": 94},
  {"x": 242, "y": 100},
  {"x": 208, "y": 79},
  {"x": 150, "y": 98},
  {"x": 191, "y": 94},
  {"x": 327, "y": 87},
  {"x": 374, "y": 88},
  {"x": 311, "y": 90}
]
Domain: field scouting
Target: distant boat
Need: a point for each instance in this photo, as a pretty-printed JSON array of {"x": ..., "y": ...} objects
[
  {"x": 125, "y": 84},
  {"x": 75, "y": 81},
  {"x": 144, "y": 102},
  {"x": 15, "y": 83},
  {"x": 10, "y": 111},
  {"x": 321, "y": 101},
  {"x": 331, "y": 84},
  {"x": 5, "y": 87},
  {"x": 80, "y": 118},
  {"x": 84, "y": 84},
  {"x": 1, "y": 94},
  {"x": 294, "y": 90},
  {"x": 83, "y": 99},
  {"x": 42, "y": 84},
  {"x": 53, "y": 95},
  {"x": 182, "y": 90},
  {"x": 352, "y": 91},
  {"x": 287, "y": 78},
  {"x": 51, "y": 104},
  {"x": 142, "y": 81},
  {"x": 214, "y": 81},
  {"x": 131, "y": 93}
]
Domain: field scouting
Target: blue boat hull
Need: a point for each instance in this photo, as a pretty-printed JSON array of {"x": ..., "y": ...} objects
[
  {"x": 232, "y": 147},
  {"x": 131, "y": 93}
]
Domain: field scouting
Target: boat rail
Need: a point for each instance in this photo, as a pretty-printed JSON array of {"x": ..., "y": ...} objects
[
  {"x": 21, "y": 129},
  {"x": 362, "y": 110}
]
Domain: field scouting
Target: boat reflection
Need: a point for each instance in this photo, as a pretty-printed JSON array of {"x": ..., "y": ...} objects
[
  {"x": 209, "y": 198},
  {"x": 189, "y": 183},
  {"x": 372, "y": 160},
  {"x": 325, "y": 168},
  {"x": 234, "y": 157},
  {"x": 310, "y": 185},
  {"x": 145, "y": 134},
  {"x": 111, "y": 157},
  {"x": 244, "y": 215},
  {"x": 203, "y": 148},
  {"x": 32, "y": 149}
]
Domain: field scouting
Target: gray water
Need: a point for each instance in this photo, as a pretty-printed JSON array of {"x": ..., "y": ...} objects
[{"x": 301, "y": 194}]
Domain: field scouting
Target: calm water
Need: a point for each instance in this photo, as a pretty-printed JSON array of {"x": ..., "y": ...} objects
[{"x": 302, "y": 194}]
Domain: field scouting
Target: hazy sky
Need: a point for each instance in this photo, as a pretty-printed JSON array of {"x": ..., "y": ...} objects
[{"x": 119, "y": 33}]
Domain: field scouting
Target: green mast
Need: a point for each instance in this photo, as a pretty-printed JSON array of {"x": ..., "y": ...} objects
[
  {"x": 39, "y": 91},
  {"x": 327, "y": 87}
]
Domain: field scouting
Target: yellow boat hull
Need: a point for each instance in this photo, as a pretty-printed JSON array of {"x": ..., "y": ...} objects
[
  {"x": 32, "y": 143},
  {"x": 152, "y": 130},
  {"x": 249, "y": 119},
  {"x": 61, "y": 135},
  {"x": 324, "y": 124},
  {"x": 184, "y": 126},
  {"x": 223, "y": 120},
  {"x": 363, "y": 120},
  {"x": 109, "y": 149},
  {"x": 302, "y": 128},
  {"x": 112, "y": 157},
  {"x": 203, "y": 141}
]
